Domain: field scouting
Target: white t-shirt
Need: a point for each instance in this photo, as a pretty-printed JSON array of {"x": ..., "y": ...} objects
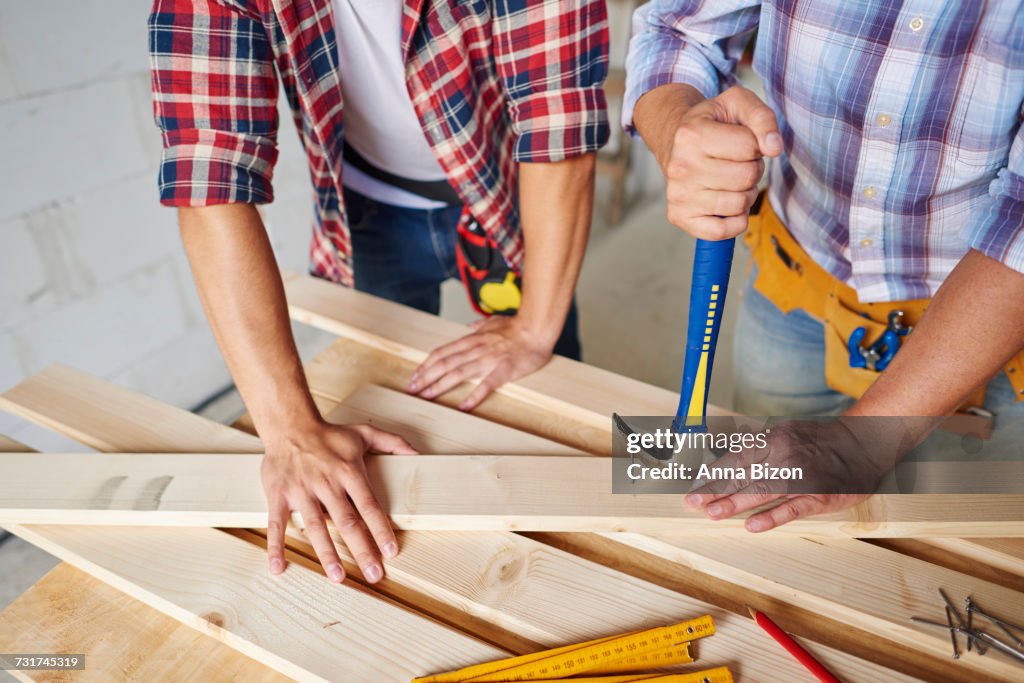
[{"x": 380, "y": 122}]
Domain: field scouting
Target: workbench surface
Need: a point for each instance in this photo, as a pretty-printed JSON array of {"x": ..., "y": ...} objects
[{"x": 848, "y": 599}]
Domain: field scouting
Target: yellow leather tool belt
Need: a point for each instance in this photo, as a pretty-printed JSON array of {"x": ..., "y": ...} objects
[{"x": 788, "y": 277}]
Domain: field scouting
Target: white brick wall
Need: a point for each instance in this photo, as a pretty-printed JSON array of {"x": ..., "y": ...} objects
[{"x": 91, "y": 268}]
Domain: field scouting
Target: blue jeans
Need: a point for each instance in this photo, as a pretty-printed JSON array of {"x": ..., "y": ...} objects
[
  {"x": 779, "y": 365},
  {"x": 405, "y": 254}
]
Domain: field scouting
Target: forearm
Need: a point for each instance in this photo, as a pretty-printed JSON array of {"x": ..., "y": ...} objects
[
  {"x": 658, "y": 115},
  {"x": 241, "y": 290},
  {"x": 556, "y": 203},
  {"x": 973, "y": 326}
]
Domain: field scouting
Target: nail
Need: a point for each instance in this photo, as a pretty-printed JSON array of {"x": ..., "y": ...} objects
[
  {"x": 390, "y": 550},
  {"x": 774, "y": 140},
  {"x": 373, "y": 573},
  {"x": 693, "y": 500},
  {"x": 756, "y": 525},
  {"x": 414, "y": 386},
  {"x": 336, "y": 573},
  {"x": 276, "y": 566},
  {"x": 714, "y": 510}
]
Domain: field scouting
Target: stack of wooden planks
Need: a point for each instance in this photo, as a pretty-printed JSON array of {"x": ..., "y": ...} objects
[{"x": 176, "y": 603}]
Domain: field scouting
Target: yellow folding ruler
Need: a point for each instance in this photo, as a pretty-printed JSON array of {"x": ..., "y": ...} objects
[{"x": 649, "y": 649}]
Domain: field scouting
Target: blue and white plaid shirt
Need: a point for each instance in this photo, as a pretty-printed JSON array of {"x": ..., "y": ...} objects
[{"x": 901, "y": 122}]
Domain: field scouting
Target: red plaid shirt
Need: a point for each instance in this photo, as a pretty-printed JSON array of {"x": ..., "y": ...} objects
[{"x": 493, "y": 83}]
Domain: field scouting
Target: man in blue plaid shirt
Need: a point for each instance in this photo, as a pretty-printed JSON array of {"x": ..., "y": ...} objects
[{"x": 896, "y": 171}]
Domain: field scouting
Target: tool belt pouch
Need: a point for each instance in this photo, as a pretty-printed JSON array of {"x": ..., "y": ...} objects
[
  {"x": 492, "y": 286},
  {"x": 840, "y": 324},
  {"x": 788, "y": 277}
]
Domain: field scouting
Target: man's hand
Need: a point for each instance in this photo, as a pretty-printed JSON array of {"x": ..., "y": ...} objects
[
  {"x": 555, "y": 203},
  {"x": 322, "y": 469},
  {"x": 500, "y": 350},
  {"x": 841, "y": 462},
  {"x": 711, "y": 153}
]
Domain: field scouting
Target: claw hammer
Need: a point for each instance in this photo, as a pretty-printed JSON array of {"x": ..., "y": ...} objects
[{"x": 712, "y": 262}]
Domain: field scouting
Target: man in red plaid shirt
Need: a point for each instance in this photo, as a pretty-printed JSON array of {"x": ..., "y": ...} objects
[{"x": 485, "y": 115}]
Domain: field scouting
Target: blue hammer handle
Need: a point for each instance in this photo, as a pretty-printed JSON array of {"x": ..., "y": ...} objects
[{"x": 711, "y": 265}]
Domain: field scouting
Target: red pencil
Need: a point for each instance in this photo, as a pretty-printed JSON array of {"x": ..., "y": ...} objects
[{"x": 793, "y": 647}]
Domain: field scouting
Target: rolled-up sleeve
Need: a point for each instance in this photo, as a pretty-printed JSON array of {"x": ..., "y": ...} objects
[
  {"x": 552, "y": 58},
  {"x": 686, "y": 41},
  {"x": 998, "y": 229},
  {"x": 215, "y": 102}
]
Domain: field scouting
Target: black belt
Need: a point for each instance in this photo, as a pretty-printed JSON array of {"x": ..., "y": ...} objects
[{"x": 437, "y": 190}]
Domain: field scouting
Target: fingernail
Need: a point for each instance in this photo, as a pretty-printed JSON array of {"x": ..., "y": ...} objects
[
  {"x": 373, "y": 573},
  {"x": 390, "y": 550},
  {"x": 276, "y": 566},
  {"x": 336, "y": 573},
  {"x": 714, "y": 510},
  {"x": 413, "y": 386},
  {"x": 774, "y": 140},
  {"x": 429, "y": 393},
  {"x": 693, "y": 500},
  {"x": 463, "y": 406},
  {"x": 756, "y": 525}
]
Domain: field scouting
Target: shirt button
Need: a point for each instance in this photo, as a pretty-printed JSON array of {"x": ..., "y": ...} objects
[
  {"x": 870, "y": 192},
  {"x": 916, "y": 24},
  {"x": 883, "y": 120},
  {"x": 866, "y": 243}
]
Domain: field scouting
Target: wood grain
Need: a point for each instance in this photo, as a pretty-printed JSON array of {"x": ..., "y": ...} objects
[
  {"x": 66, "y": 400},
  {"x": 1006, "y": 554},
  {"x": 509, "y": 580},
  {"x": 434, "y": 492},
  {"x": 123, "y": 639},
  {"x": 433, "y": 428},
  {"x": 297, "y": 623},
  {"x": 586, "y": 393},
  {"x": 346, "y": 365},
  {"x": 553, "y": 598},
  {"x": 861, "y": 585},
  {"x": 91, "y": 422}
]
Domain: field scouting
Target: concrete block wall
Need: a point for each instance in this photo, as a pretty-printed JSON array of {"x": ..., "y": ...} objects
[{"x": 92, "y": 273}]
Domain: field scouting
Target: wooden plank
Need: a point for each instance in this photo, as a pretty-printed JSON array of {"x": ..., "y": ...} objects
[
  {"x": 69, "y": 611},
  {"x": 861, "y": 585},
  {"x": 123, "y": 639},
  {"x": 1006, "y": 554},
  {"x": 554, "y": 598},
  {"x": 587, "y": 393},
  {"x": 433, "y": 428},
  {"x": 297, "y": 623},
  {"x": 8, "y": 445},
  {"x": 82, "y": 417},
  {"x": 347, "y": 365},
  {"x": 796, "y": 621},
  {"x": 434, "y": 492},
  {"x": 96, "y": 553}
]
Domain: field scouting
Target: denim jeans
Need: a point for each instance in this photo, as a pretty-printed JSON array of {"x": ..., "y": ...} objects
[
  {"x": 779, "y": 365},
  {"x": 405, "y": 254}
]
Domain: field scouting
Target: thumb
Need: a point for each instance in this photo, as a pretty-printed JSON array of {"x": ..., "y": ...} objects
[{"x": 745, "y": 108}]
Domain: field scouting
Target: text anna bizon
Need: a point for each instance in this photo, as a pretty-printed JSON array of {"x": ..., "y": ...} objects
[{"x": 754, "y": 472}]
